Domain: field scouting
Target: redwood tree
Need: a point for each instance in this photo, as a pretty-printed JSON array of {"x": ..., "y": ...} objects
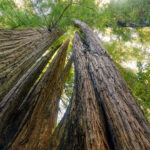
[
  {"x": 38, "y": 127},
  {"x": 17, "y": 94},
  {"x": 83, "y": 126},
  {"x": 19, "y": 49},
  {"x": 123, "y": 124},
  {"x": 102, "y": 113},
  {"x": 40, "y": 93}
]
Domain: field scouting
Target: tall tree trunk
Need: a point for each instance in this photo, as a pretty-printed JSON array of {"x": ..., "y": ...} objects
[
  {"x": 39, "y": 109},
  {"x": 128, "y": 125},
  {"x": 83, "y": 127},
  {"x": 19, "y": 49},
  {"x": 18, "y": 93},
  {"x": 39, "y": 91},
  {"x": 38, "y": 138},
  {"x": 125, "y": 126}
]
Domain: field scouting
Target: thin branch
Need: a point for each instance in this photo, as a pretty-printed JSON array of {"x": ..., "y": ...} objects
[
  {"x": 15, "y": 12},
  {"x": 132, "y": 25},
  {"x": 35, "y": 12},
  {"x": 82, "y": 5},
  {"x": 41, "y": 11},
  {"x": 44, "y": 17},
  {"x": 60, "y": 17}
]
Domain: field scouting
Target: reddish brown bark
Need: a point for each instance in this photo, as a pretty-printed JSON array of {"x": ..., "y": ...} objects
[
  {"x": 83, "y": 127},
  {"x": 102, "y": 114},
  {"x": 18, "y": 93},
  {"x": 127, "y": 124},
  {"x": 35, "y": 130},
  {"x": 122, "y": 123},
  {"x": 19, "y": 49}
]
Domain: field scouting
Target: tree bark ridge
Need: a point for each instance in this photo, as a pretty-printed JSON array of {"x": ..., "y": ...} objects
[
  {"x": 128, "y": 126},
  {"x": 17, "y": 94},
  {"x": 19, "y": 49},
  {"x": 83, "y": 127},
  {"x": 40, "y": 118}
]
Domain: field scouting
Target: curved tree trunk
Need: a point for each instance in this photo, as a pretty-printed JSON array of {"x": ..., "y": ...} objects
[
  {"x": 19, "y": 49},
  {"x": 40, "y": 119},
  {"x": 125, "y": 126},
  {"x": 18, "y": 93}
]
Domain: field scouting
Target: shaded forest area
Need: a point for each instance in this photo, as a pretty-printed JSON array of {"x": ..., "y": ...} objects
[{"x": 74, "y": 75}]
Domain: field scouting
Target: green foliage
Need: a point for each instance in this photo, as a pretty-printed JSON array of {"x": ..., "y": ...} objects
[
  {"x": 46, "y": 13},
  {"x": 14, "y": 17},
  {"x": 134, "y": 50},
  {"x": 129, "y": 12},
  {"x": 119, "y": 14},
  {"x": 139, "y": 84}
]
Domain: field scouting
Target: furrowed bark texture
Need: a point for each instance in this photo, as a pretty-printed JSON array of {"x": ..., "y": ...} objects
[
  {"x": 19, "y": 49},
  {"x": 126, "y": 123},
  {"x": 35, "y": 130},
  {"x": 17, "y": 94},
  {"x": 83, "y": 127}
]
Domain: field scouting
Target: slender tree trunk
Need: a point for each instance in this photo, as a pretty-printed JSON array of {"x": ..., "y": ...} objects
[
  {"x": 122, "y": 123},
  {"x": 39, "y": 110},
  {"x": 18, "y": 93},
  {"x": 19, "y": 49}
]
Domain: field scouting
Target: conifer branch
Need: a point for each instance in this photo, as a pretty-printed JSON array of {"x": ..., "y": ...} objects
[
  {"x": 60, "y": 17},
  {"x": 65, "y": 9},
  {"x": 15, "y": 12}
]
